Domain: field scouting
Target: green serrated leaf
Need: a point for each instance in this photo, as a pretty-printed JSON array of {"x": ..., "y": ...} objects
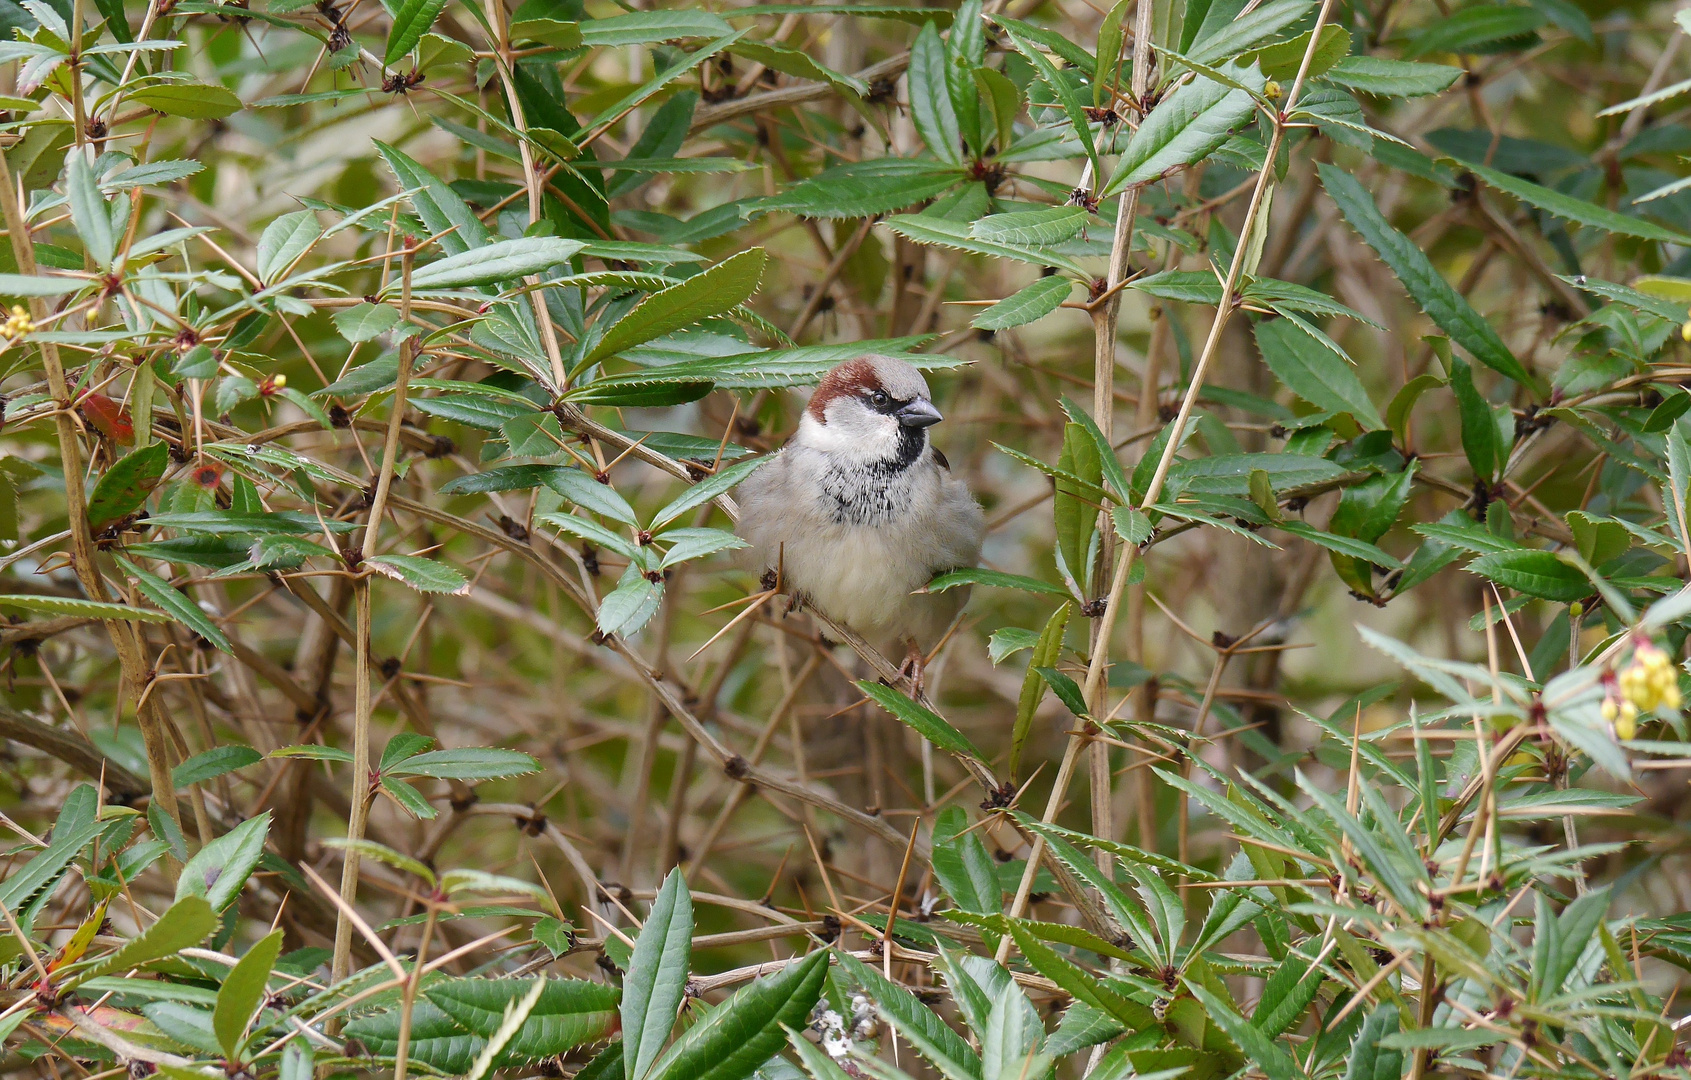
[
  {"x": 1264, "y": 1052},
  {"x": 220, "y": 868},
  {"x": 1067, "y": 691},
  {"x": 931, "y": 108},
  {"x": 193, "y": 101},
  {"x": 997, "y": 579},
  {"x": 1479, "y": 430},
  {"x": 507, "y": 260},
  {"x": 1474, "y": 28},
  {"x": 925, "y": 722},
  {"x": 718, "y": 483},
  {"x": 1442, "y": 303},
  {"x": 1344, "y": 545},
  {"x": 237, "y": 523},
  {"x": 1066, "y": 96},
  {"x": 186, "y": 923},
  {"x": 743, "y": 1032},
  {"x": 452, "y": 1022},
  {"x": 217, "y": 761},
  {"x": 124, "y": 487},
  {"x": 284, "y": 241},
  {"x": 1534, "y": 572},
  {"x": 645, "y": 27},
  {"x": 1392, "y": 78},
  {"x": 468, "y": 763},
  {"x": 943, "y": 232},
  {"x": 1579, "y": 211},
  {"x": 865, "y": 188},
  {"x": 410, "y": 23},
  {"x": 1074, "y": 506},
  {"x": 1052, "y": 225},
  {"x": 175, "y": 604},
  {"x": 963, "y": 866},
  {"x": 424, "y": 575},
  {"x": 1285, "y": 59},
  {"x": 88, "y": 209},
  {"x": 712, "y": 292},
  {"x": 1186, "y": 127},
  {"x": 242, "y": 992},
  {"x": 656, "y": 981},
  {"x": 366, "y": 321},
  {"x": 1046, "y": 650},
  {"x": 75, "y": 830},
  {"x": 1315, "y": 372},
  {"x": 1369, "y": 1060}
]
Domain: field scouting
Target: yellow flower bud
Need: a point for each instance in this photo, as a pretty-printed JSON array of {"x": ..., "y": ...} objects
[
  {"x": 278, "y": 381},
  {"x": 17, "y": 324},
  {"x": 1626, "y": 724}
]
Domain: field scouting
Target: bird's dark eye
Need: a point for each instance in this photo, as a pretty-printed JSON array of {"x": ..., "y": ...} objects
[{"x": 880, "y": 399}]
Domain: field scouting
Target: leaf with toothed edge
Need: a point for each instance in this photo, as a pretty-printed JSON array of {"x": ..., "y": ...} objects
[
  {"x": 506, "y": 260},
  {"x": 711, "y": 292},
  {"x": 1052, "y": 225},
  {"x": 1437, "y": 297},
  {"x": 1185, "y": 128},
  {"x": 931, "y": 109},
  {"x": 938, "y": 231},
  {"x": 1579, "y": 211},
  {"x": 454, "y": 1018},
  {"x": 1030, "y": 304},
  {"x": 178, "y": 606},
  {"x": 591, "y": 531},
  {"x": 467, "y": 763},
  {"x": 1067, "y": 691},
  {"x": 631, "y": 605},
  {"x": 87, "y": 609},
  {"x": 743, "y": 1032},
  {"x": 424, "y": 575},
  {"x": 242, "y": 993},
  {"x": 218, "y": 761},
  {"x": 184, "y": 924},
  {"x": 980, "y": 575},
  {"x": 925, "y": 722},
  {"x": 410, "y": 23},
  {"x": 1066, "y": 98},
  {"x": 220, "y": 869},
  {"x": 720, "y": 483},
  {"x": 935, "y": 1039},
  {"x": 1046, "y": 649},
  {"x": 1264, "y": 1052},
  {"x": 588, "y": 493},
  {"x": 656, "y": 982},
  {"x": 865, "y": 188}
]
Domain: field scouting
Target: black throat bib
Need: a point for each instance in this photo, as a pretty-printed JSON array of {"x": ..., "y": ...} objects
[{"x": 874, "y": 492}]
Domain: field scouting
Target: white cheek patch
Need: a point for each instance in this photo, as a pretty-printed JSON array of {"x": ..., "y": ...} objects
[{"x": 852, "y": 431}]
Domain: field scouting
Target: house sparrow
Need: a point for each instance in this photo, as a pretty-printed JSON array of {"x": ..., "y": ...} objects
[{"x": 859, "y": 511}]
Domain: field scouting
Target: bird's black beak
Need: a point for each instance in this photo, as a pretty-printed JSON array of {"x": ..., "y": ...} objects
[{"x": 918, "y": 413}]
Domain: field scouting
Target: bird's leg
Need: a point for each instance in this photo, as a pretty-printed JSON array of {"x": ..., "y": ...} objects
[{"x": 911, "y": 669}]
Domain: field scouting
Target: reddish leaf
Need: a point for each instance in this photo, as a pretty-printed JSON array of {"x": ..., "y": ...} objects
[
  {"x": 209, "y": 475},
  {"x": 109, "y": 418}
]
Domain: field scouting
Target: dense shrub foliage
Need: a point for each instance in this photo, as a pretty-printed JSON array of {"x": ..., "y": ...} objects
[{"x": 383, "y": 694}]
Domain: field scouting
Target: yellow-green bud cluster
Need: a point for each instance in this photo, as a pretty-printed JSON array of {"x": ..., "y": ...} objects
[
  {"x": 1649, "y": 682},
  {"x": 17, "y": 324}
]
